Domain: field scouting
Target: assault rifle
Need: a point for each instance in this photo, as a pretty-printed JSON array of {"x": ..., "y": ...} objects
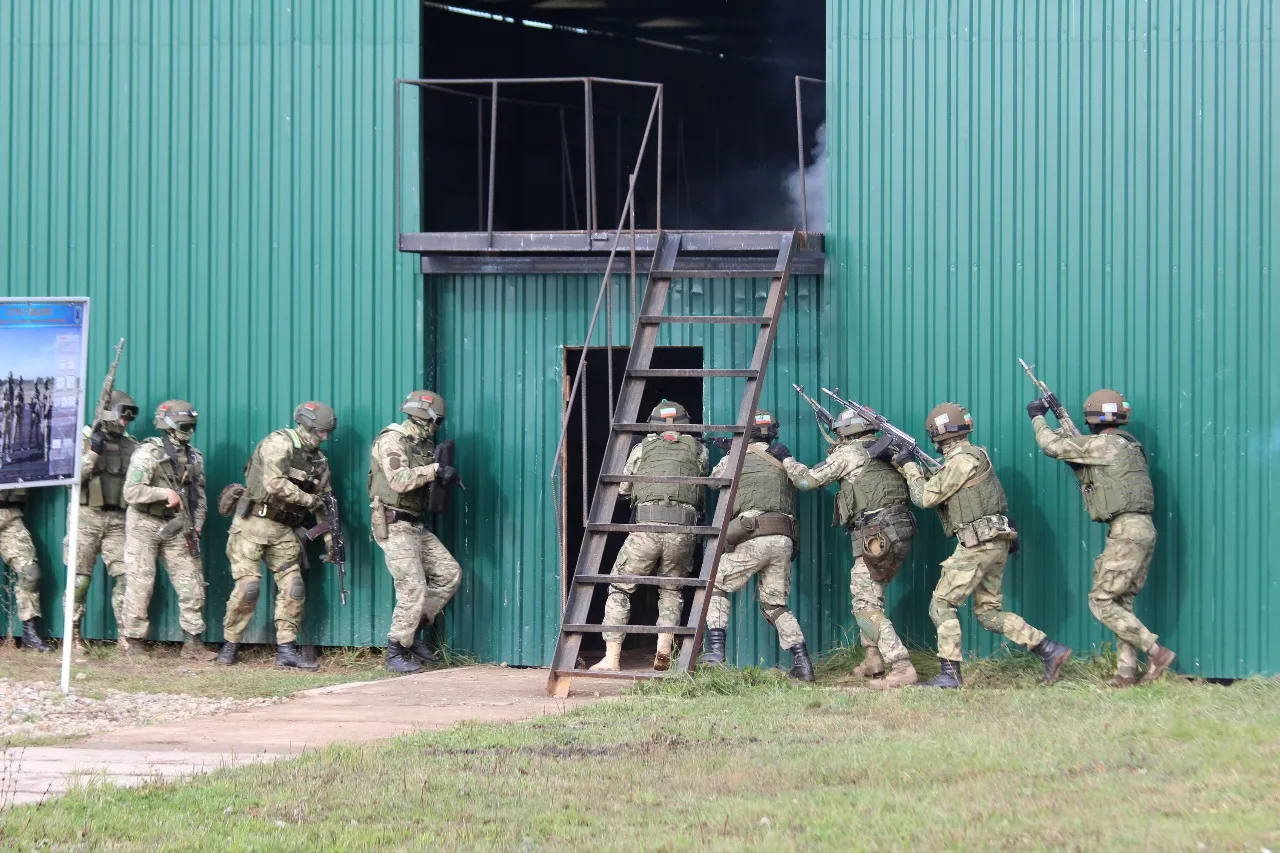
[
  {"x": 890, "y": 435},
  {"x": 824, "y": 418},
  {"x": 438, "y": 492},
  {"x": 1055, "y": 405},
  {"x": 332, "y": 525},
  {"x": 108, "y": 385}
]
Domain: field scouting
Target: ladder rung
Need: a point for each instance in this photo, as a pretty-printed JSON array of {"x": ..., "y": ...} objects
[
  {"x": 643, "y": 580},
  {"x": 710, "y": 482},
  {"x": 728, "y": 273},
  {"x": 599, "y": 527},
  {"x": 705, "y": 318},
  {"x": 693, "y": 373},
  {"x": 627, "y": 629},
  {"x": 610, "y": 673},
  {"x": 695, "y": 428}
]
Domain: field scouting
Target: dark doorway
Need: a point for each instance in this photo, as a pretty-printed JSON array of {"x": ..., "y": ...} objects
[{"x": 644, "y": 604}]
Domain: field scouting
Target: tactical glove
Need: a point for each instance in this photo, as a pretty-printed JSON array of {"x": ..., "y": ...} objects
[
  {"x": 446, "y": 475},
  {"x": 1037, "y": 407},
  {"x": 779, "y": 451},
  {"x": 902, "y": 456},
  {"x": 97, "y": 441}
]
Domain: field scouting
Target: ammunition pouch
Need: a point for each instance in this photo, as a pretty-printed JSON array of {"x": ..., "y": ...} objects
[
  {"x": 287, "y": 515},
  {"x": 172, "y": 528},
  {"x": 666, "y": 514},
  {"x": 229, "y": 499},
  {"x": 744, "y": 528},
  {"x": 989, "y": 528},
  {"x": 882, "y": 539}
]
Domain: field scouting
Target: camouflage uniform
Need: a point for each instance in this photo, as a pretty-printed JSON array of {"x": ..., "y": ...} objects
[
  {"x": 19, "y": 554},
  {"x": 669, "y": 554},
  {"x": 425, "y": 574},
  {"x": 102, "y": 520},
  {"x": 846, "y": 463},
  {"x": 152, "y": 473},
  {"x": 768, "y": 556},
  {"x": 285, "y": 485},
  {"x": 1112, "y": 470},
  {"x": 968, "y": 480}
]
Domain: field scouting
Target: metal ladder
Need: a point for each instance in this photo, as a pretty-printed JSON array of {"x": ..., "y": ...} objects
[{"x": 588, "y": 572}]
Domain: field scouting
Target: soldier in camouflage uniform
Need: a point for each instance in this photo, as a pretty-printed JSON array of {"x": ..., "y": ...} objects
[
  {"x": 1112, "y": 469},
  {"x": 284, "y": 483},
  {"x": 19, "y": 555},
  {"x": 764, "y": 528},
  {"x": 107, "y": 450},
  {"x": 669, "y": 454},
  {"x": 425, "y": 574},
  {"x": 165, "y": 491},
  {"x": 971, "y": 503},
  {"x": 872, "y": 506}
]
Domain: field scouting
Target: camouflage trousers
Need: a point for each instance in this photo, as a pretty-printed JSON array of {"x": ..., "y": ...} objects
[
  {"x": 976, "y": 571},
  {"x": 19, "y": 555},
  {"x": 425, "y": 575},
  {"x": 868, "y": 611},
  {"x": 101, "y": 532},
  {"x": 670, "y": 555},
  {"x": 142, "y": 546},
  {"x": 770, "y": 558},
  {"x": 1119, "y": 573},
  {"x": 254, "y": 540}
]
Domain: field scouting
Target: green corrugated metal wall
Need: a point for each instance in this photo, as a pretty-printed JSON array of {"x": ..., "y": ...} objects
[
  {"x": 500, "y": 357},
  {"x": 1091, "y": 185},
  {"x": 217, "y": 178}
]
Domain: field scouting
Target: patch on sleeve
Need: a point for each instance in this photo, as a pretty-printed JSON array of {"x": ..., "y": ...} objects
[
  {"x": 137, "y": 476},
  {"x": 393, "y": 462}
]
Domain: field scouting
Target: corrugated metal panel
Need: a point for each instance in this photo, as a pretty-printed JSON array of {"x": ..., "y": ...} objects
[
  {"x": 500, "y": 359},
  {"x": 1091, "y": 185},
  {"x": 217, "y": 178}
]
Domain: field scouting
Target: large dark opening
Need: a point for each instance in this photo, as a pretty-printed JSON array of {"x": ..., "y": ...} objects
[
  {"x": 644, "y": 604},
  {"x": 729, "y": 129}
]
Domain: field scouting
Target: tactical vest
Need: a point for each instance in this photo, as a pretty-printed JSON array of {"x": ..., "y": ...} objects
[
  {"x": 189, "y": 469},
  {"x": 13, "y": 496},
  {"x": 764, "y": 487},
  {"x": 668, "y": 457},
  {"x": 305, "y": 470},
  {"x": 417, "y": 453},
  {"x": 1123, "y": 486},
  {"x": 106, "y": 483},
  {"x": 877, "y": 485},
  {"x": 980, "y": 496}
]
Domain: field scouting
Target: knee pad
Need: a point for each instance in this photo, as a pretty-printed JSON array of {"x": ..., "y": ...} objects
[
  {"x": 868, "y": 627},
  {"x": 771, "y": 612},
  {"x": 82, "y": 588},
  {"x": 940, "y": 611},
  {"x": 992, "y": 620},
  {"x": 250, "y": 590},
  {"x": 28, "y": 575},
  {"x": 297, "y": 590}
]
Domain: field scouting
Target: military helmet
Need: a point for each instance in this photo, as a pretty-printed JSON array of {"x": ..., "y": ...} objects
[
  {"x": 850, "y": 424},
  {"x": 1106, "y": 406},
  {"x": 176, "y": 416},
  {"x": 948, "y": 420},
  {"x": 424, "y": 405},
  {"x": 122, "y": 407},
  {"x": 671, "y": 412},
  {"x": 764, "y": 425},
  {"x": 315, "y": 415}
]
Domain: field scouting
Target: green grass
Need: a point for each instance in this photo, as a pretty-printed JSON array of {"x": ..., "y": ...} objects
[
  {"x": 165, "y": 672},
  {"x": 734, "y": 759}
]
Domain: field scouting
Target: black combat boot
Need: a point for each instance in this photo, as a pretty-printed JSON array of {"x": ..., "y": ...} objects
[
  {"x": 31, "y": 641},
  {"x": 713, "y": 649},
  {"x": 400, "y": 660},
  {"x": 948, "y": 677},
  {"x": 228, "y": 654},
  {"x": 801, "y": 667},
  {"x": 289, "y": 656},
  {"x": 1054, "y": 655},
  {"x": 420, "y": 649}
]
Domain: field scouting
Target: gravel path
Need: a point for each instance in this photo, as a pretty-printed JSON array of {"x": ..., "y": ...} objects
[{"x": 36, "y": 709}]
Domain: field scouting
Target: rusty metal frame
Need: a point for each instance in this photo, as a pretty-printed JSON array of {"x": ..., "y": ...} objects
[{"x": 588, "y": 105}]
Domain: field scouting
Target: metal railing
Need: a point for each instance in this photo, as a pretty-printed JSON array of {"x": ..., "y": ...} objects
[{"x": 490, "y": 92}]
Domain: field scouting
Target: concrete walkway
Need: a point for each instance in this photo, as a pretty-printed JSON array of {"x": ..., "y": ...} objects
[{"x": 309, "y": 720}]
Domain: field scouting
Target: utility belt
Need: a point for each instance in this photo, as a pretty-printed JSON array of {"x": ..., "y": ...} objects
[
  {"x": 666, "y": 514},
  {"x": 744, "y": 528},
  {"x": 394, "y": 515},
  {"x": 161, "y": 510},
  {"x": 989, "y": 528},
  {"x": 889, "y": 516},
  {"x": 287, "y": 515}
]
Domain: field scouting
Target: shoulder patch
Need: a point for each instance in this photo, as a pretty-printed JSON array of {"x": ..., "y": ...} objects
[{"x": 136, "y": 475}]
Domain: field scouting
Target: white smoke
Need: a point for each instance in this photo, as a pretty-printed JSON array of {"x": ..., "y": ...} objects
[{"x": 815, "y": 185}]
